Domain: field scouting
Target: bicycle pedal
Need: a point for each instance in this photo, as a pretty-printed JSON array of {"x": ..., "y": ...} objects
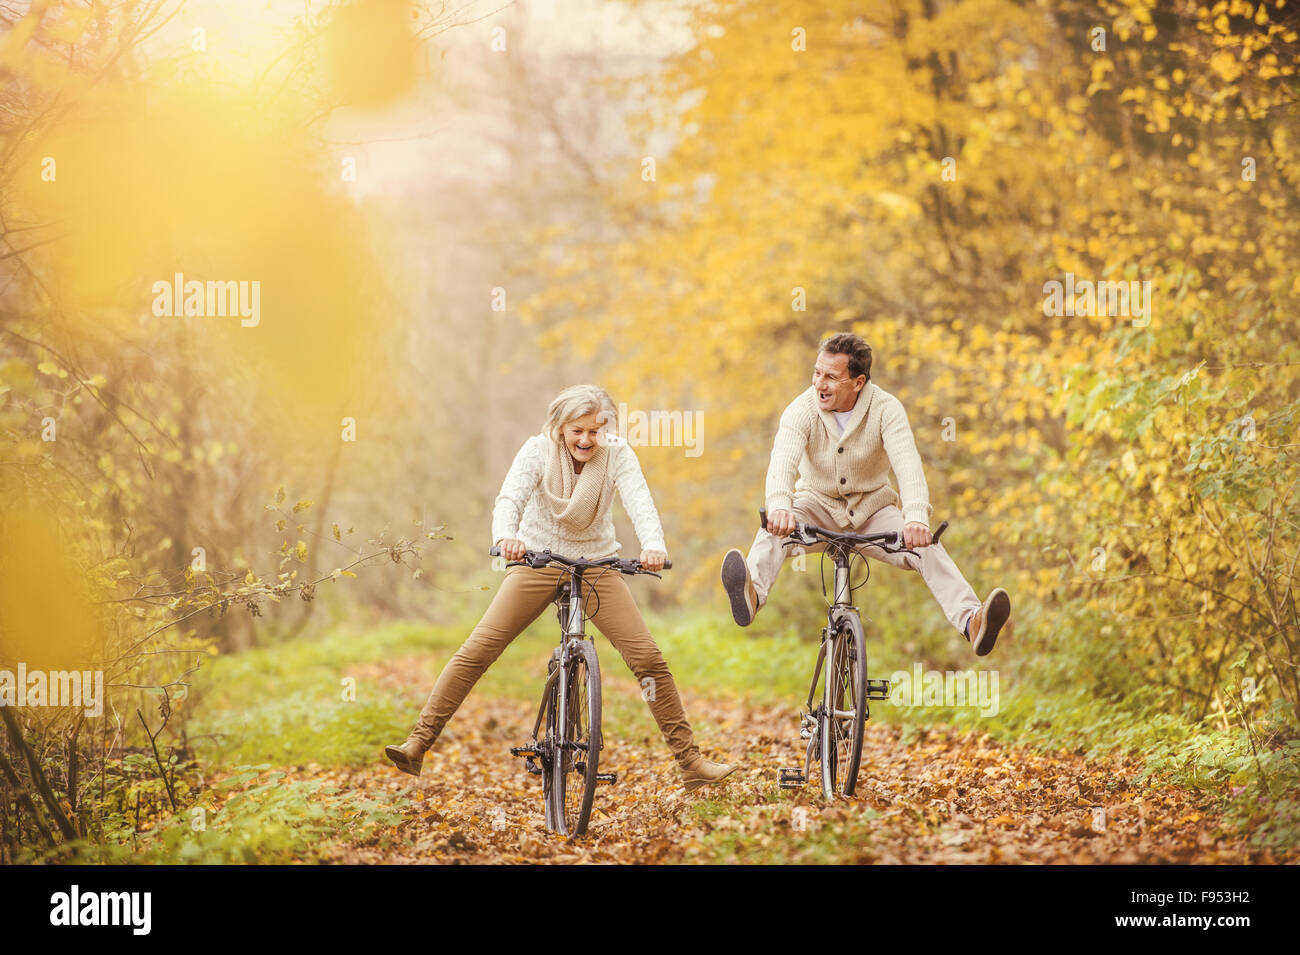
[
  {"x": 877, "y": 689},
  {"x": 792, "y": 777},
  {"x": 607, "y": 779},
  {"x": 527, "y": 752}
]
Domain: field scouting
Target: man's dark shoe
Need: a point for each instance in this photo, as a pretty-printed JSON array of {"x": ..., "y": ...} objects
[
  {"x": 986, "y": 622},
  {"x": 739, "y": 588}
]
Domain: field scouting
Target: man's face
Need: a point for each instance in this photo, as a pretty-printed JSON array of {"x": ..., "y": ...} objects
[{"x": 836, "y": 391}]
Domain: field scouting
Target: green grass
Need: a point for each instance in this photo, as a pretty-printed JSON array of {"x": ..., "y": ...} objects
[
  {"x": 275, "y": 821},
  {"x": 284, "y": 704}
]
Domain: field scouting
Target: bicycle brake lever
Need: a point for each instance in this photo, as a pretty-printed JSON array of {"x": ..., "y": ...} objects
[
  {"x": 633, "y": 567},
  {"x": 896, "y": 549}
]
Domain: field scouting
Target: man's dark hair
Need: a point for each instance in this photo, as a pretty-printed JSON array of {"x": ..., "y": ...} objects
[{"x": 859, "y": 352}]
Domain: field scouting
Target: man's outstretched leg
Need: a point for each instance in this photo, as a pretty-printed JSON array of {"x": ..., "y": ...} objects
[
  {"x": 748, "y": 580},
  {"x": 979, "y": 622}
]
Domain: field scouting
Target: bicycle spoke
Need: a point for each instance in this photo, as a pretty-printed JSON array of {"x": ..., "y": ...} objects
[
  {"x": 578, "y": 737},
  {"x": 843, "y": 726}
]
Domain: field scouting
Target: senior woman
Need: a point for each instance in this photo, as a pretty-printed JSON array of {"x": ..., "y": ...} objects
[{"x": 557, "y": 496}]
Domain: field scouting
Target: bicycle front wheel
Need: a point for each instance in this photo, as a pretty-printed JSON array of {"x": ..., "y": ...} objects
[
  {"x": 578, "y": 750},
  {"x": 844, "y": 708}
]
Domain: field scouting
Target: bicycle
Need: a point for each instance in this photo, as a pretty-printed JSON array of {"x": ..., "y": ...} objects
[
  {"x": 564, "y": 755},
  {"x": 834, "y": 729}
]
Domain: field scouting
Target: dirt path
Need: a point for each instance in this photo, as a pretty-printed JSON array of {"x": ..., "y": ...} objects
[{"x": 942, "y": 798}]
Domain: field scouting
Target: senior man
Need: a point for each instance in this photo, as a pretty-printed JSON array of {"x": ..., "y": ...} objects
[{"x": 841, "y": 437}]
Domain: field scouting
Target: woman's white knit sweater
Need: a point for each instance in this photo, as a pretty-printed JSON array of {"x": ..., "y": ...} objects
[
  {"x": 848, "y": 474},
  {"x": 521, "y": 512}
]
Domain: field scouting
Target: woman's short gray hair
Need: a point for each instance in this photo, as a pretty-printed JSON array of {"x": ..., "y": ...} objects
[{"x": 578, "y": 402}]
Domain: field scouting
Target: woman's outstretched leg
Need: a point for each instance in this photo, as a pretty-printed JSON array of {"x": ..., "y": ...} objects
[{"x": 524, "y": 594}]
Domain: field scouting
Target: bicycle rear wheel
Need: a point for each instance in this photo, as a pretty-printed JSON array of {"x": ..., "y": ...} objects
[
  {"x": 844, "y": 708},
  {"x": 578, "y": 751}
]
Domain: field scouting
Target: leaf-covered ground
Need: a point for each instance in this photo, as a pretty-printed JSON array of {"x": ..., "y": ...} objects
[{"x": 936, "y": 797}]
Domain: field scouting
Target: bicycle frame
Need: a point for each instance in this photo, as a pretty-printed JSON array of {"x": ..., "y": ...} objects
[
  {"x": 843, "y": 595},
  {"x": 840, "y": 606}
]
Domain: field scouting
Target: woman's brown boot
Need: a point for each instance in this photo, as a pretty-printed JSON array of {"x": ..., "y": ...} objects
[
  {"x": 409, "y": 757},
  {"x": 698, "y": 771}
]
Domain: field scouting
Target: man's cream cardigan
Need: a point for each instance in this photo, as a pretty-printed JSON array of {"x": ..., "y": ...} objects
[{"x": 848, "y": 474}]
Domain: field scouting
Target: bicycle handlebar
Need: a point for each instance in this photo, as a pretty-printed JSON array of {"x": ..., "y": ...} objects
[
  {"x": 533, "y": 558},
  {"x": 887, "y": 540}
]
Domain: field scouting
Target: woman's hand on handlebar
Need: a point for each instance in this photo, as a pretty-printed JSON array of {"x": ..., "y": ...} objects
[
  {"x": 653, "y": 559},
  {"x": 781, "y": 523},
  {"x": 511, "y": 549}
]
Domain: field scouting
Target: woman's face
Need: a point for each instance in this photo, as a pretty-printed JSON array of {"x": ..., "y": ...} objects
[{"x": 582, "y": 435}]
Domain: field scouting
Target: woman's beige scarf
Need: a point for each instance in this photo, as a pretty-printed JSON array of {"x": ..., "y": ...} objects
[{"x": 577, "y": 499}]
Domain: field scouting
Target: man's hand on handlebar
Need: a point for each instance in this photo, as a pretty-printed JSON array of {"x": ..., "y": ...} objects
[
  {"x": 653, "y": 559},
  {"x": 781, "y": 523},
  {"x": 512, "y": 549},
  {"x": 916, "y": 534}
]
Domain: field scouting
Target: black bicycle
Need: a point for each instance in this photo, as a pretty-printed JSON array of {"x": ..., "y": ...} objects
[
  {"x": 566, "y": 754},
  {"x": 834, "y": 727}
]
